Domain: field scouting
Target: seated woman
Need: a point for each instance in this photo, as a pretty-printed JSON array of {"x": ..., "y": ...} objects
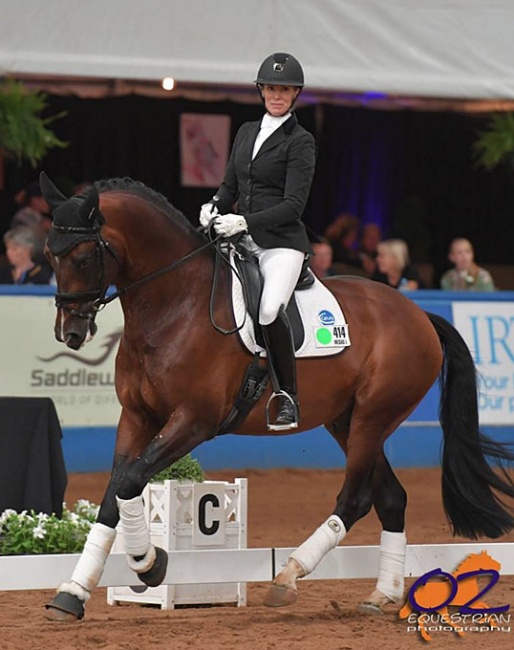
[
  {"x": 20, "y": 243},
  {"x": 342, "y": 234},
  {"x": 393, "y": 267},
  {"x": 466, "y": 274},
  {"x": 371, "y": 235}
]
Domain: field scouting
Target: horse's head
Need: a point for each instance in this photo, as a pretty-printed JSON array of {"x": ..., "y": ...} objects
[{"x": 76, "y": 250}]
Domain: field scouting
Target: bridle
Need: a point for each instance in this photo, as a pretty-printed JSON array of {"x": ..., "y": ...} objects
[
  {"x": 94, "y": 296},
  {"x": 98, "y": 297}
]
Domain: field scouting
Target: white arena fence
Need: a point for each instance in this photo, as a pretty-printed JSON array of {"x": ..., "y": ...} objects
[{"x": 27, "y": 572}]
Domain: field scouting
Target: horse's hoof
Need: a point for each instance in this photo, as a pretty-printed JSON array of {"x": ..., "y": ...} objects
[
  {"x": 156, "y": 574},
  {"x": 280, "y": 596},
  {"x": 54, "y": 614},
  {"x": 65, "y": 608},
  {"x": 371, "y": 609}
]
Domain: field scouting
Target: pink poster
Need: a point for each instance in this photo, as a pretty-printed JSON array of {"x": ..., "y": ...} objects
[{"x": 204, "y": 149}]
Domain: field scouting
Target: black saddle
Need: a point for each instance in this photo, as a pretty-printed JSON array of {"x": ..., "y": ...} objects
[{"x": 247, "y": 266}]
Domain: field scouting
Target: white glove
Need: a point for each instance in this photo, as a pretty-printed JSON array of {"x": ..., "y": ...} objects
[
  {"x": 207, "y": 213},
  {"x": 228, "y": 225}
]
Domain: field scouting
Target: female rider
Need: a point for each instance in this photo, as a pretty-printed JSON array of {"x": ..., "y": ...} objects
[{"x": 269, "y": 175}]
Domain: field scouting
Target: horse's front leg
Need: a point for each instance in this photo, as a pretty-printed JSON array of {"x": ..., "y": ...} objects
[
  {"x": 175, "y": 440},
  {"x": 68, "y": 604}
]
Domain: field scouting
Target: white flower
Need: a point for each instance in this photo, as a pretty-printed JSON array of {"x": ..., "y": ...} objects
[
  {"x": 86, "y": 509},
  {"x": 39, "y": 532},
  {"x": 7, "y": 513}
]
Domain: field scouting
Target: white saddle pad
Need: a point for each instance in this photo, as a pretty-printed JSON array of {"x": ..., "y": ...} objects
[{"x": 325, "y": 327}]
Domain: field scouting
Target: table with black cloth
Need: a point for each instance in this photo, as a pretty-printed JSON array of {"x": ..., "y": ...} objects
[{"x": 32, "y": 470}]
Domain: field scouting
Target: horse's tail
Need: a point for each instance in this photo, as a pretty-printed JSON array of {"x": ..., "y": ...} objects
[{"x": 472, "y": 490}]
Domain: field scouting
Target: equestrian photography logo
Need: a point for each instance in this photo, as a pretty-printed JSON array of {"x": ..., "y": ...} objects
[{"x": 454, "y": 602}]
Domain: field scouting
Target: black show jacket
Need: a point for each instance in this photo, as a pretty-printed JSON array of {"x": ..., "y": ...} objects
[{"x": 272, "y": 189}]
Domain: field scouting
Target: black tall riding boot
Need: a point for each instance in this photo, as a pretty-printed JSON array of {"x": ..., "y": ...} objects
[{"x": 278, "y": 340}]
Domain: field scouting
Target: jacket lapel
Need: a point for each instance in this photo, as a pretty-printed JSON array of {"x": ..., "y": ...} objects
[
  {"x": 249, "y": 141},
  {"x": 277, "y": 136}
]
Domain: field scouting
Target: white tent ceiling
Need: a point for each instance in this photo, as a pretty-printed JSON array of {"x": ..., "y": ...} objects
[{"x": 457, "y": 49}]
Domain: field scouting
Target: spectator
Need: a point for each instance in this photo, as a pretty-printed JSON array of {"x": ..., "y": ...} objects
[
  {"x": 19, "y": 245},
  {"x": 371, "y": 235},
  {"x": 343, "y": 234},
  {"x": 466, "y": 275},
  {"x": 33, "y": 214},
  {"x": 321, "y": 260},
  {"x": 34, "y": 210},
  {"x": 393, "y": 267}
]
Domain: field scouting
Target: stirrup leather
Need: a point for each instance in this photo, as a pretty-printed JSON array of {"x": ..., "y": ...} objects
[{"x": 287, "y": 425}]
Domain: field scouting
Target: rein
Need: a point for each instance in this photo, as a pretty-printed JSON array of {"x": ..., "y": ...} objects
[{"x": 98, "y": 297}]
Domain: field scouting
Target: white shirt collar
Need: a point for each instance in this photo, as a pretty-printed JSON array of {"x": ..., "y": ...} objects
[{"x": 272, "y": 122}]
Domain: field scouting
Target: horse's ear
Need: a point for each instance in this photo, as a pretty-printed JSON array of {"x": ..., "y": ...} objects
[
  {"x": 52, "y": 195},
  {"x": 89, "y": 209}
]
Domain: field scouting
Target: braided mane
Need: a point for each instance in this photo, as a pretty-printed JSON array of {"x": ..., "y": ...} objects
[{"x": 138, "y": 188}]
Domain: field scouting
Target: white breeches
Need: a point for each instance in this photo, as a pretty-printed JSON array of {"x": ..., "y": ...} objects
[{"x": 281, "y": 268}]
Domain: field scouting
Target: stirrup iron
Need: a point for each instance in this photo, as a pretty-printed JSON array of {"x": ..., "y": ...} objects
[{"x": 282, "y": 427}]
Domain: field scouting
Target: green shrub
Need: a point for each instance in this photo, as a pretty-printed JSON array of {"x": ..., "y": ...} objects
[
  {"x": 31, "y": 533},
  {"x": 185, "y": 469}
]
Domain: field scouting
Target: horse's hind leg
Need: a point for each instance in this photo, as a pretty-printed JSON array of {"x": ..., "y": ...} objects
[
  {"x": 390, "y": 502},
  {"x": 353, "y": 503}
]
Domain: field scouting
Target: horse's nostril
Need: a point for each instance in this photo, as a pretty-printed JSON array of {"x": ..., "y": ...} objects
[{"x": 73, "y": 341}]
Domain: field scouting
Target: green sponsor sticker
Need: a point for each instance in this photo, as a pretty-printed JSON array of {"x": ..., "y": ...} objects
[{"x": 324, "y": 336}]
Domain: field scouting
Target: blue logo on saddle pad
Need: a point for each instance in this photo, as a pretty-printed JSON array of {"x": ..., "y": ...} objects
[{"x": 326, "y": 317}]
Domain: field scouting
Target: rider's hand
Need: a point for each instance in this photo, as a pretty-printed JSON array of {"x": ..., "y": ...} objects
[
  {"x": 207, "y": 213},
  {"x": 228, "y": 225}
]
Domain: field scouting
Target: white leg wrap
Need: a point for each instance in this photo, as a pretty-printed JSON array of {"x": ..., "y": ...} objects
[
  {"x": 75, "y": 590},
  {"x": 145, "y": 563},
  {"x": 136, "y": 536},
  {"x": 90, "y": 566},
  {"x": 324, "y": 539},
  {"x": 391, "y": 570}
]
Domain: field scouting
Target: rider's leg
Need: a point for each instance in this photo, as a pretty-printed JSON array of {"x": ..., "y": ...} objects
[
  {"x": 281, "y": 268},
  {"x": 279, "y": 344}
]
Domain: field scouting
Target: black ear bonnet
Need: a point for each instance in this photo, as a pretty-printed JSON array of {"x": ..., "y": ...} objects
[{"x": 75, "y": 220}]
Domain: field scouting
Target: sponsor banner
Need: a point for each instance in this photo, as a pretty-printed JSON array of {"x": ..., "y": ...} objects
[
  {"x": 34, "y": 364},
  {"x": 488, "y": 329}
]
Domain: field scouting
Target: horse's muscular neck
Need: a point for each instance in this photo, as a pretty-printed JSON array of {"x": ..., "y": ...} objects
[{"x": 148, "y": 247}]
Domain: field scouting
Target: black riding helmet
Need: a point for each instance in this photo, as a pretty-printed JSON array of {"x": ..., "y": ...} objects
[{"x": 280, "y": 69}]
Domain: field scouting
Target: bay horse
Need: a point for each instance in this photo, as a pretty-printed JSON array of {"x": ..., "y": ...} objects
[{"x": 177, "y": 378}]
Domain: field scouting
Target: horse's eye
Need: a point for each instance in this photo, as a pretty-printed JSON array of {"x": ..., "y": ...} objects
[{"x": 82, "y": 262}]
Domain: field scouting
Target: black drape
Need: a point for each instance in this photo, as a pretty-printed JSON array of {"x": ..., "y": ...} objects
[
  {"x": 33, "y": 474},
  {"x": 411, "y": 171}
]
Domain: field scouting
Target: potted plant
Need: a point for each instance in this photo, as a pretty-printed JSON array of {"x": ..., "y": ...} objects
[
  {"x": 495, "y": 144},
  {"x": 24, "y": 132},
  {"x": 186, "y": 512}
]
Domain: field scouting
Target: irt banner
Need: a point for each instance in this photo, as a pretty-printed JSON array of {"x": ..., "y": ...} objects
[{"x": 488, "y": 329}]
